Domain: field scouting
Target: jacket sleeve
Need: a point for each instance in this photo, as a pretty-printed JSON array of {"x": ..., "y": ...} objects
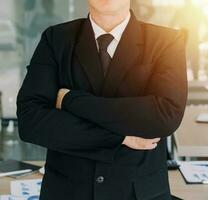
[
  {"x": 41, "y": 123},
  {"x": 156, "y": 114}
]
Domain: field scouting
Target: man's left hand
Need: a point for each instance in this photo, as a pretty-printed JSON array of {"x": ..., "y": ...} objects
[{"x": 61, "y": 93}]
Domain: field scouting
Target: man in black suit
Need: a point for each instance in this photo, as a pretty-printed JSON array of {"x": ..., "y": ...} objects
[{"x": 102, "y": 94}]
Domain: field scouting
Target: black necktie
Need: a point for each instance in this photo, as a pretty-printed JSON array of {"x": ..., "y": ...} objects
[{"x": 103, "y": 42}]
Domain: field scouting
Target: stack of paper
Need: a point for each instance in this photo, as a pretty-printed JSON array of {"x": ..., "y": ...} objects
[
  {"x": 24, "y": 190},
  {"x": 194, "y": 171}
]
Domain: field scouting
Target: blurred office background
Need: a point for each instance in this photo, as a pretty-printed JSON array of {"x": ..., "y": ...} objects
[{"x": 22, "y": 21}]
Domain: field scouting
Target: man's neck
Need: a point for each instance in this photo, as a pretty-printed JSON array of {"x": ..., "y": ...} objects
[{"x": 108, "y": 22}]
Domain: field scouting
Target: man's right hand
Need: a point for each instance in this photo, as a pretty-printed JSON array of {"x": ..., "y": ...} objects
[{"x": 139, "y": 143}]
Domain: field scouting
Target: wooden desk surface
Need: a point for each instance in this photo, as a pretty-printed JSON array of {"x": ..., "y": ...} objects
[
  {"x": 186, "y": 191},
  {"x": 191, "y": 137},
  {"x": 178, "y": 186}
]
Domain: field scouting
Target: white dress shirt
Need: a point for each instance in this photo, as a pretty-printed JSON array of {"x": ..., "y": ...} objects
[{"x": 116, "y": 32}]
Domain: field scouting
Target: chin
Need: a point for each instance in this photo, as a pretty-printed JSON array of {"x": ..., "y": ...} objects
[{"x": 109, "y": 6}]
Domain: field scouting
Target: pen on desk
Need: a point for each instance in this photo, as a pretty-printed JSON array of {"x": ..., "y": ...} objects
[{"x": 15, "y": 172}]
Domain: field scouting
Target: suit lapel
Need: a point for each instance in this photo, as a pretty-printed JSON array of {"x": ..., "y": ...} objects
[
  {"x": 128, "y": 54},
  {"x": 86, "y": 51}
]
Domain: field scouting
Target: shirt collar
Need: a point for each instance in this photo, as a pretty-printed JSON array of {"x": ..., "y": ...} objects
[{"x": 116, "y": 32}]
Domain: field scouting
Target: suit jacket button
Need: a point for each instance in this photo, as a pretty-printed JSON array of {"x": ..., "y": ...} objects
[{"x": 100, "y": 179}]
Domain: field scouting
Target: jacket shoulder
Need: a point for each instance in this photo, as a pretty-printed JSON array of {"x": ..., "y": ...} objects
[
  {"x": 162, "y": 33},
  {"x": 159, "y": 38},
  {"x": 64, "y": 31},
  {"x": 68, "y": 26},
  {"x": 159, "y": 28}
]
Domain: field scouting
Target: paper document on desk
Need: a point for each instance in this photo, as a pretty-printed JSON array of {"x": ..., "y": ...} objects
[
  {"x": 26, "y": 187},
  {"x": 10, "y": 197},
  {"x": 194, "y": 171}
]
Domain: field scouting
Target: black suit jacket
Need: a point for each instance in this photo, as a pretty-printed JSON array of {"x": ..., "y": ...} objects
[{"x": 143, "y": 94}]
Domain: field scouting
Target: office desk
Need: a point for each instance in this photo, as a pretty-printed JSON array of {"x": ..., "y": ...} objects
[
  {"x": 186, "y": 191},
  {"x": 5, "y": 181},
  {"x": 191, "y": 137},
  {"x": 197, "y": 92},
  {"x": 177, "y": 184}
]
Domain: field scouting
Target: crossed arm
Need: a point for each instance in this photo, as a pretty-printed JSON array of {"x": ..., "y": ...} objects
[
  {"x": 81, "y": 132},
  {"x": 137, "y": 143},
  {"x": 41, "y": 123},
  {"x": 156, "y": 114}
]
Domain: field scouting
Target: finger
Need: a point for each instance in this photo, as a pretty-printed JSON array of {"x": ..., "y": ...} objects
[
  {"x": 143, "y": 143},
  {"x": 143, "y": 147},
  {"x": 152, "y": 146},
  {"x": 155, "y": 140},
  {"x": 148, "y": 141}
]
